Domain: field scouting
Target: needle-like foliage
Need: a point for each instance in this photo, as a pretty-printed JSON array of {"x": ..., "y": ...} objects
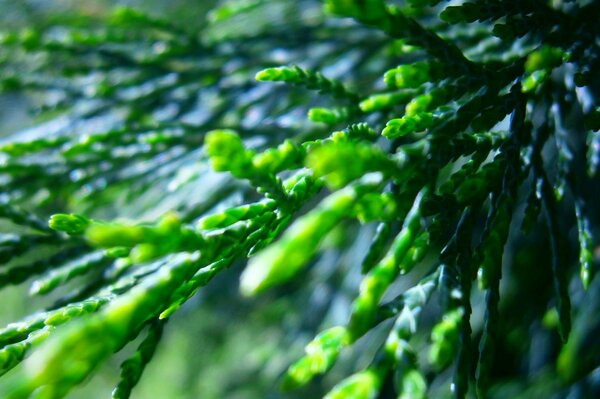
[{"x": 453, "y": 145}]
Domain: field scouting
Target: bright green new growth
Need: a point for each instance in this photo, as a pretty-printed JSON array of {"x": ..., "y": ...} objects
[
  {"x": 363, "y": 385},
  {"x": 321, "y": 354},
  {"x": 70, "y": 224},
  {"x": 444, "y": 338},
  {"x": 446, "y": 145},
  {"x": 309, "y": 79},
  {"x": 132, "y": 368},
  {"x": 283, "y": 260}
]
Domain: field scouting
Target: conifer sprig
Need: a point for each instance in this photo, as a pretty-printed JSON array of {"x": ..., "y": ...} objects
[{"x": 164, "y": 157}]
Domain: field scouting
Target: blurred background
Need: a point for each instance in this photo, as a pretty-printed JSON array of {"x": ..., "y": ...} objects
[{"x": 22, "y": 13}]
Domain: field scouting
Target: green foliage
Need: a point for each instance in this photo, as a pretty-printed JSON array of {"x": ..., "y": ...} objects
[{"x": 443, "y": 143}]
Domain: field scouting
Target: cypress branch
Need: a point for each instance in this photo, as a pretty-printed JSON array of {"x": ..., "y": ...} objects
[{"x": 165, "y": 155}]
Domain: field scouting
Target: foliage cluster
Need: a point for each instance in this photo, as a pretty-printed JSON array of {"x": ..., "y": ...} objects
[{"x": 449, "y": 144}]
